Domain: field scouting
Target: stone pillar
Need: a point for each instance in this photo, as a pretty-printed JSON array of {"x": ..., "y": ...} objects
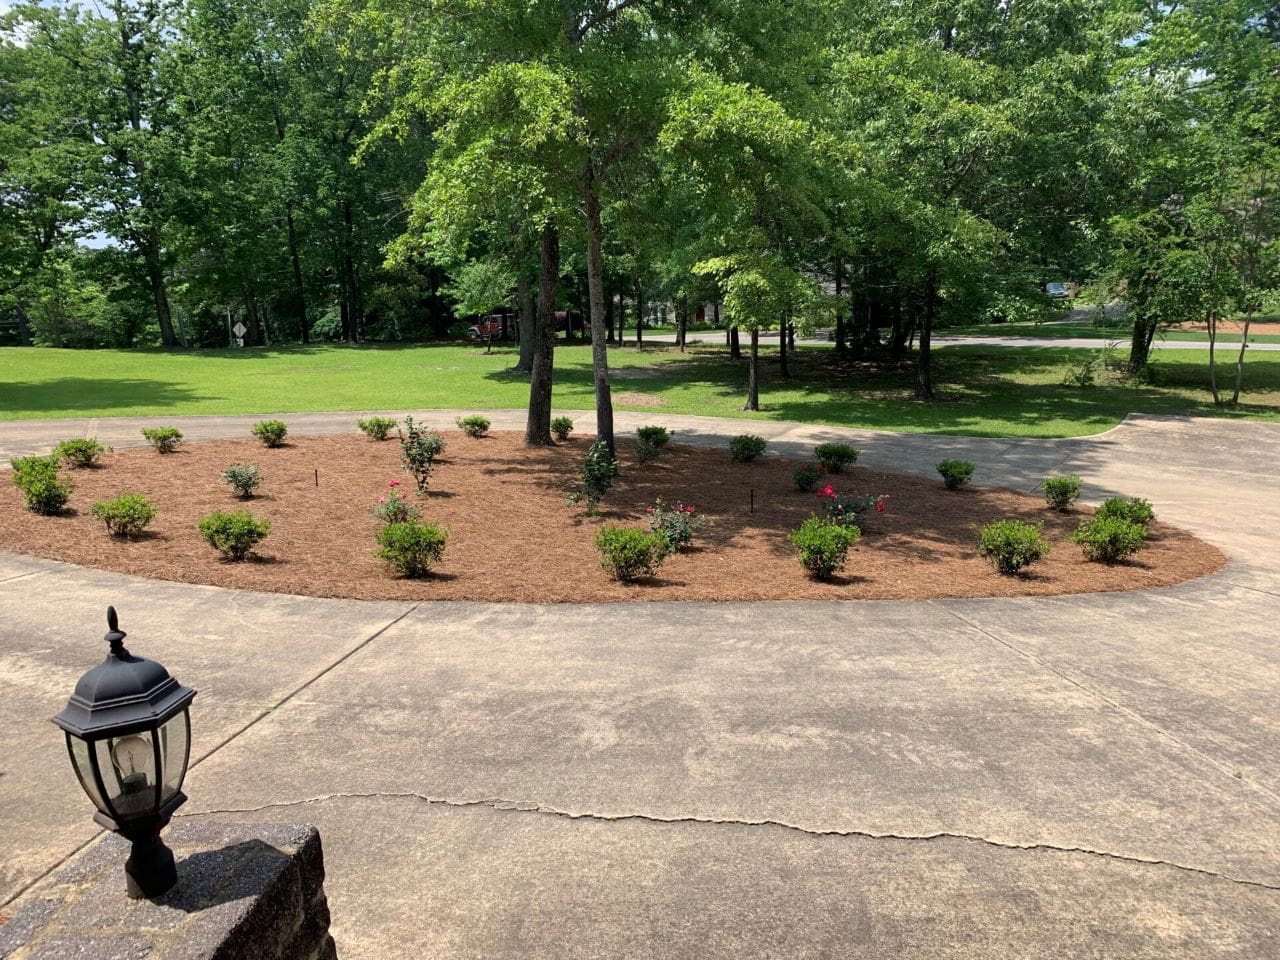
[{"x": 244, "y": 892}]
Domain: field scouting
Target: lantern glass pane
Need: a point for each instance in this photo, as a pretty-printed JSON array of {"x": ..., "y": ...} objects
[
  {"x": 175, "y": 745},
  {"x": 129, "y": 773},
  {"x": 82, "y": 758}
]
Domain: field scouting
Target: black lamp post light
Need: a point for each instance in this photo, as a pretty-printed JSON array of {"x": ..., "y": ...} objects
[{"x": 129, "y": 737}]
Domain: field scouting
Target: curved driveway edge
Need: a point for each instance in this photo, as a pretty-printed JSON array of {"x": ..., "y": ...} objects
[{"x": 1038, "y": 777}]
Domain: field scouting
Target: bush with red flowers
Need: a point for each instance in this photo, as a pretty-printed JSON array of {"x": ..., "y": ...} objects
[
  {"x": 847, "y": 509},
  {"x": 675, "y": 525}
]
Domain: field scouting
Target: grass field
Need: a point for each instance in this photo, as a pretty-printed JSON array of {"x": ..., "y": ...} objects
[
  {"x": 982, "y": 391},
  {"x": 1116, "y": 329}
]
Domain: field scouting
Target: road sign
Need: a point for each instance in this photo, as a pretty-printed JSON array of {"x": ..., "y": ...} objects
[{"x": 239, "y": 330}]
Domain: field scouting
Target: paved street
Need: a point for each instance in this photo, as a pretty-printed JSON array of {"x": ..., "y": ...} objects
[{"x": 1087, "y": 776}]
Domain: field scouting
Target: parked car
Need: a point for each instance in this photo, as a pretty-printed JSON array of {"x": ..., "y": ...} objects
[{"x": 1057, "y": 291}]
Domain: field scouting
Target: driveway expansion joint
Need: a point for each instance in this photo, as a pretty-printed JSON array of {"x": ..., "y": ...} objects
[
  {"x": 1232, "y": 774},
  {"x": 502, "y": 805}
]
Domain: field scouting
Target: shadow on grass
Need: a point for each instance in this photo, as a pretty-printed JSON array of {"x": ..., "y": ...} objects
[{"x": 90, "y": 394}]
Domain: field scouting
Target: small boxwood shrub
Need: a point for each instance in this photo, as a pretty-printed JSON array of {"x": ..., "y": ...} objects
[
  {"x": 474, "y": 426},
  {"x": 646, "y": 452},
  {"x": 1061, "y": 492},
  {"x": 561, "y": 427},
  {"x": 44, "y": 491},
  {"x": 1133, "y": 509},
  {"x": 836, "y": 456},
  {"x": 126, "y": 515},
  {"x": 823, "y": 546},
  {"x": 419, "y": 448},
  {"x": 164, "y": 439},
  {"x": 81, "y": 452},
  {"x": 1109, "y": 539},
  {"x": 270, "y": 432},
  {"x": 745, "y": 448},
  {"x": 1012, "y": 545},
  {"x": 595, "y": 477},
  {"x": 806, "y": 477},
  {"x": 955, "y": 473},
  {"x": 656, "y": 437},
  {"x": 243, "y": 478},
  {"x": 412, "y": 547},
  {"x": 377, "y": 428},
  {"x": 234, "y": 535},
  {"x": 627, "y": 554}
]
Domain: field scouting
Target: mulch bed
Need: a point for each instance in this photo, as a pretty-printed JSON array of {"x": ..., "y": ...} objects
[{"x": 514, "y": 539}]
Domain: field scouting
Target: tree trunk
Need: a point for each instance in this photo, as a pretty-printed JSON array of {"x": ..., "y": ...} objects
[
  {"x": 159, "y": 292},
  {"x": 840, "y": 344},
  {"x": 351, "y": 280},
  {"x": 537, "y": 431},
  {"x": 735, "y": 343},
  {"x": 682, "y": 321},
  {"x": 1212, "y": 324},
  {"x": 639, "y": 315},
  {"x": 924, "y": 371},
  {"x": 299, "y": 291},
  {"x": 1144, "y": 333},
  {"x": 899, "y": 334},
  {"x": 783, "y": 368},
  {"x": 24, "y": 328},
  {"x": 600, "y": 326},
  {"x": 753, "y": 373},
  {"x": 1244, "y": 345},
  {"x": 528, "y": 324}
]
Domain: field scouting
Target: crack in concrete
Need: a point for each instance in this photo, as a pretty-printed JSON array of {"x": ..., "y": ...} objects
[
  {"x": 526, "y": 806},
  {"x": 1234, "y": 775}
]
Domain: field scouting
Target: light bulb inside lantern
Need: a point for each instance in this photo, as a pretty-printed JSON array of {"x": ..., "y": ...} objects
[{"x": 133, "y": 759}]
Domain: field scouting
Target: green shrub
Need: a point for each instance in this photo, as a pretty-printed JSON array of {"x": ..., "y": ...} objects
[
  {"x": 419, "y": 448},
  {"x": 243, "y": 478},
  {"x": 412, "y": 547},
  {"x": 806, "y": 477},
  {"x": 1109, "y": 539},
  {"x": 164, "y": 439},
  {"x": 1061, "y": 492},
  {"x": 676, "y": 525},
  {"x": 80, "y": 452},
  {"x": 823, "y": 546},
  {"x": 233, "y": 535},
  {"x": 836, "y": 456},
  {"x": 595, "y": 477},
  {"x": 656, "y": 437},
  {"x": 377, "y": 428},
  {"x": 645, "y": 451},
  {"x": 474, "y": 426},
  {"x": 44, "y": 491},
  {"x": 270, "y": 432},
  {"x": 126, "y": 515},
  {"x": 393, "y": 507},
  {"x": 627, "y": 554},
  {"x": 1012, "y": 545},
  {"x": 745, "y": 448},
  {"x": 561, "y": 427},
  {"x": 1133, "y": 509},
  {"x": 955, "y": 473}
]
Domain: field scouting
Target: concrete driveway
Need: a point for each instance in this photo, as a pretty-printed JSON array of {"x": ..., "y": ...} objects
[{"x": 1089, "y": 776}]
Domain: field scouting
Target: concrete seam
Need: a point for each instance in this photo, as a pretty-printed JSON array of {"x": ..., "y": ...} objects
[
  {"x": 516, "y": 806},
  {"x": 1115, "y": 705},
  {"x": 19, "y": 576},
  {"x": 297, "y": 690}
]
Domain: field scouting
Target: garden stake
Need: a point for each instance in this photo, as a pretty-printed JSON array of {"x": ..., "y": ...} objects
[
  {"x": 753, "y": 499},
  {"x": 317, "y": 476}
]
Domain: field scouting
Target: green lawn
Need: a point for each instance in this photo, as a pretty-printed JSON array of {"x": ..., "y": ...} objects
[
  {"x": 1086, "y": 330},
  {"x": 983, "y": 391}
]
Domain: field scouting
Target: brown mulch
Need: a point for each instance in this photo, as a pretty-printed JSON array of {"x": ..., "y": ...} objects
[
  {"x": 514, "y": 539},
  {"x": 1257, "y": 328}
]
